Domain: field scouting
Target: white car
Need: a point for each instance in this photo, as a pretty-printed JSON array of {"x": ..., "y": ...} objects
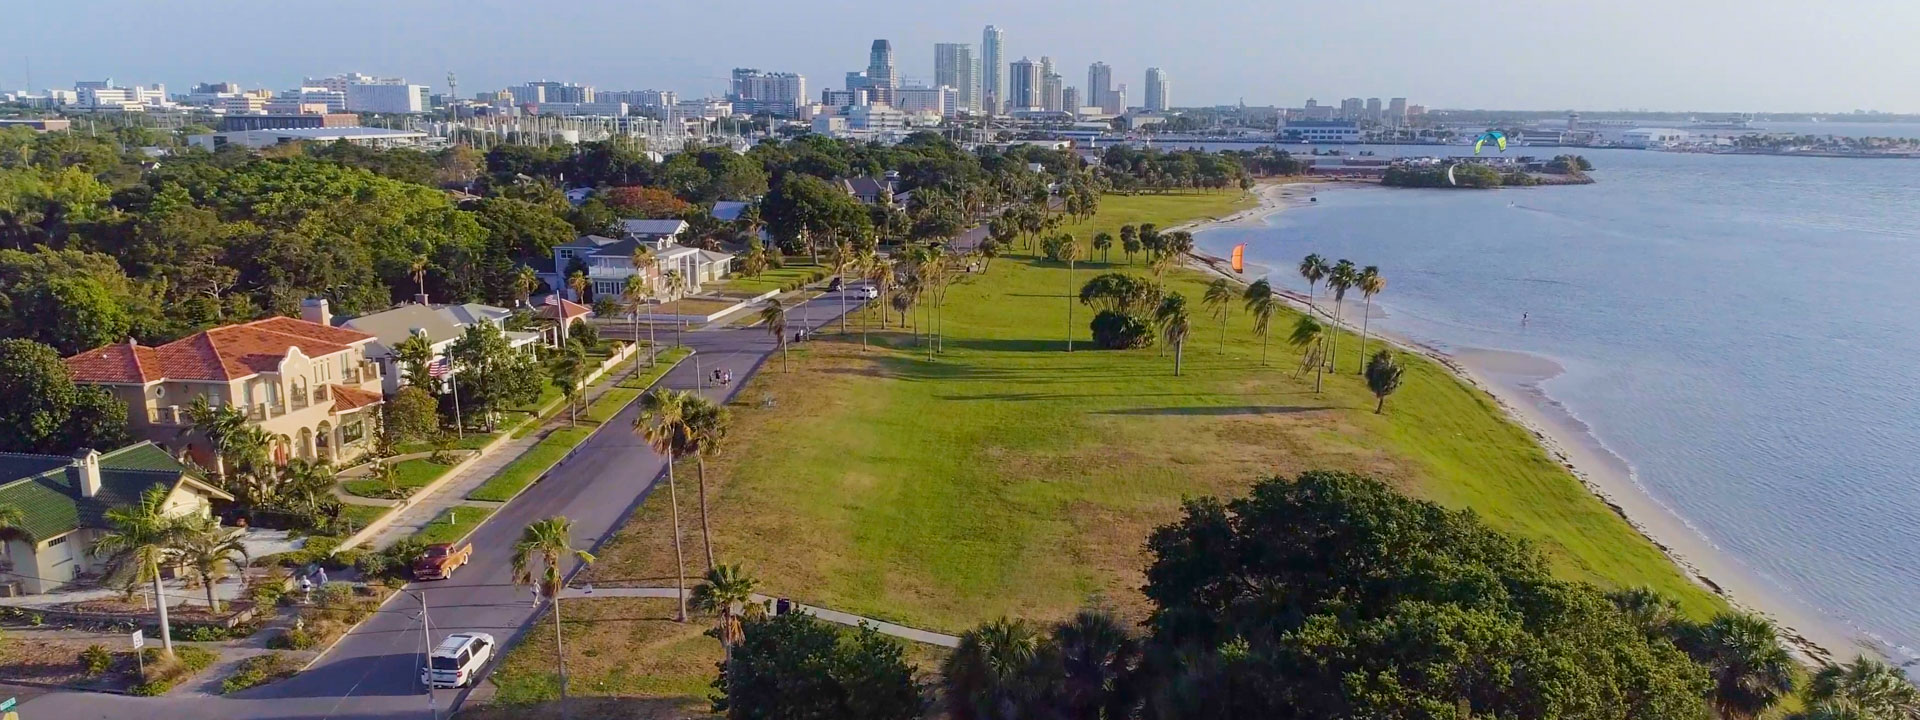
[
  {"x": 458, "y": 660},
  {"x": 868, "y": 291}
]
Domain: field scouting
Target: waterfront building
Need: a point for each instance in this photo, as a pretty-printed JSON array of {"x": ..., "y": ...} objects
[
  {"x": 1352, "y": 108},
  {"x": 1374, "y": 111},
  {"x": 1397, "y": 110},
  {"x": 1322, "y": 131},
  {"x": 955, "y": 66},
  {"x": 1157, "y": 89},
  {"x": 993, "y": 70}
]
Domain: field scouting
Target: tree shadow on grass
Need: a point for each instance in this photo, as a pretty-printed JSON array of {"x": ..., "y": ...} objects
[
  {"x": 1012, "y": 344},
  {"x": 1218, "y": 411},
  {"x": 591, "y": 707}
]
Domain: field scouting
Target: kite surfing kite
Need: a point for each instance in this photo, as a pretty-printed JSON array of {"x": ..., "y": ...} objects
[
  {"x": 1495, "y": 136},
  {"x": 1239, "y": 258}
]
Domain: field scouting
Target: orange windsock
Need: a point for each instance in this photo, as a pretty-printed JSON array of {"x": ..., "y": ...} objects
[{"x": 1239, "y": 255}]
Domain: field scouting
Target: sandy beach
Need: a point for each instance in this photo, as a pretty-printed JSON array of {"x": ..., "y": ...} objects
[{"x": 1515, "y": 380}]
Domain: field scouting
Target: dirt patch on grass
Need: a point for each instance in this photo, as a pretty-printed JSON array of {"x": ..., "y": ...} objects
[{"x": 617, "y": 648}]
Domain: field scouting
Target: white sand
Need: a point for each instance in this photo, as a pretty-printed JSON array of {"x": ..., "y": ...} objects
[{"x": 1514, "y": 380}]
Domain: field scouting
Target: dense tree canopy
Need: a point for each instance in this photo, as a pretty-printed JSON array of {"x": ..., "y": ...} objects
[
  {"x": 795, "y": 667},
  {"x": 42, "y": 411}
]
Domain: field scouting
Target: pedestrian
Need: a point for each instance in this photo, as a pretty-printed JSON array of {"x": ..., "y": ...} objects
[
  {"x": 320, "y": 577},
  {"x": 306, "y": 589}
]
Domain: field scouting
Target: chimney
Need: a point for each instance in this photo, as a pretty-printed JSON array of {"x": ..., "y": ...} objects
[
  {"x": 314, "y": 310},
  {"x": 85, "y": 472}
]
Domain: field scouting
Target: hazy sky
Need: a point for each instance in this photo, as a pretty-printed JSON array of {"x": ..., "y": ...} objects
[{"x": 1736, "y": 55}]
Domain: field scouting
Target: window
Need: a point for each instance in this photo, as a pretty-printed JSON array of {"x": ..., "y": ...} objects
[
  {"x": 353, "y": 432},
  {"x": 56, "y": 542}
]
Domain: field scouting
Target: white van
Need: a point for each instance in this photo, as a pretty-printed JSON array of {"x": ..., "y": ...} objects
[{"x": 458, "y": 659}]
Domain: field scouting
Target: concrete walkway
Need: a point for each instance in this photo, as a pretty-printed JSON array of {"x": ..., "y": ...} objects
[{"x": 832, "y": 616}]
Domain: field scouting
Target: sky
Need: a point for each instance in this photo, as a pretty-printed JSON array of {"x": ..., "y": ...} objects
[{"x": 1702, "y": 55}]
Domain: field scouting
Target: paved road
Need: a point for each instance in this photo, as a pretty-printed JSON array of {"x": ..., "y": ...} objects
[{"x": 373, "y": 673}]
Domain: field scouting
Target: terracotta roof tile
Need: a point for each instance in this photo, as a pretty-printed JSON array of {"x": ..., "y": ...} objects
[
  {"x": 348, "y": 399},
  {"x": 120, "y": 363},
  {"x": 222, "y": 353},
  {"x": 573, "y": 309}
]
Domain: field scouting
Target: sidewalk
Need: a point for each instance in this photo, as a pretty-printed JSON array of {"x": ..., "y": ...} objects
[
  {"x": 419, "y": 511},
  {"x": 832, "y": 616}
]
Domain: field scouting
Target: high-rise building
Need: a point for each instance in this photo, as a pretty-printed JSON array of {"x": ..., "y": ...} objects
[
  {"x": 954, "y": 66},
  {"x": 940, "y": 100},
  {"x": 1070, "y": 100},
  {"x": 880, "y": 76},
  {"x": 339, "y": 83},
  {"x": 528, "y": 94},
  {"x": 1119, "y": 99},
  {"x": 1351, "y": 108},
  {"x": 1050, "y": 85},
  {"x": 778, "y": 93},
  {"x": 1157, "y": 87},
  {"x": 1023, "y": 85},
  {"x": 387, "y": 98},
  {"x": 1374, "y": 111},
  {"x": 1100, "y": 87},
  {"x": 1397, "y": 110},
  {"x": 559, "y": 92},
  {"x": 993, "y": 70}
]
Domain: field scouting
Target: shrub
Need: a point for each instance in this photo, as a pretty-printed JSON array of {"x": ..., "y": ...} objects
[
  {"x": 294, "y": 638},
  {"x": 162, "y": 675},
  {"x": 260, "y": 670},
  {"x": 96, "y": 659},
  {"x": 395, "y": 561},
  {"x": 1116, "y": 330}
]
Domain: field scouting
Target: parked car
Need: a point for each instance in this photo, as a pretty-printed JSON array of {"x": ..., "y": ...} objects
[
  {"x": 439, "y": 561},
  {"x": 457, "y": 661},
  {"x": 834, "y": 285},
  {"x": 869, "y": 292}
]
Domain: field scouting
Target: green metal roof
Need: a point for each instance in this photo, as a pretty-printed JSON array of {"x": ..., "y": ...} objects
[{"x": 50, "y": 503}]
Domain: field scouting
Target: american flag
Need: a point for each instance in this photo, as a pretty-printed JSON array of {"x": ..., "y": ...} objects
[
  {"x": 439, "y": 368},
  {"x": 553, "y": 299}
]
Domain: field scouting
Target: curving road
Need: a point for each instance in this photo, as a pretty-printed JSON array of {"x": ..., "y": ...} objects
[{"x": 373, "y": 673}]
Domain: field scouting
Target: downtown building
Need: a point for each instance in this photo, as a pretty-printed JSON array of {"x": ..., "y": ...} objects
[
  {"x": 776, "y": 93},
  {"x": 1100, "y": 92},
  {"x": 1157, "y": 91},
  {"x": 955, "y": 66},
  {"x": 1023, "y": 86},
  {"x": 879, "y": 79},
  {"x": 993, "y": 71}
]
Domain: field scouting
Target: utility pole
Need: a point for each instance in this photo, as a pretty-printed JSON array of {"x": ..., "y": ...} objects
[{"x": 426, "y": 655}]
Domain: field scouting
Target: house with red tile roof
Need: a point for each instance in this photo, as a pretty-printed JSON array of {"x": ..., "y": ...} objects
[{"x": 309, "y": 385}]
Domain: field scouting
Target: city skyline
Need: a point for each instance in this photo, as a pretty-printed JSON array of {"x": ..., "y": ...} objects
[{"x": 1619, "y": 61}]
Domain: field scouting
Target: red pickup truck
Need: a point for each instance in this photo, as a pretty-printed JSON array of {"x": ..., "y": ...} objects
[{"x": 440, "y": 560}]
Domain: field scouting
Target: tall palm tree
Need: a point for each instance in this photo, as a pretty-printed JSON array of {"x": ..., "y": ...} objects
[
  {"x": 548, "y": 542},
  {"x": 863, "y": 262},
  {"x": 1174, "y": 326},
  {"x": 141, "y": 535},
  {"x": 306, "y": 483},
  {"x": 707, "y": 425},
  {"x": 1070, "y": 253},
  {"x": 663, "y": 424},
  {"x": 638, "y": 292},
  {"x": 569, "y": 367},
  {"x": 727, "y": 595},
  {"x": 1749, "y": 668},
  {"x": 1312, "y": 268},
  {"x": 1100, "y": 662},
  {"x": 220, "y": 425},
  {"x": 880, "y": 275},
  {"x": 1309, "y": 335},
  {"x": 1370, "y": 283},
  {"x": 209, "y": 552},
  {"x": 1383, "y": 377},
  {"x": 677, "y": 288},
  {"x": 1877, "y": 689},
  {"x": 419, "y": 270},
  {"x": 579, "y": 284},
  {"x": 1129, "y": 241},
  {"x": 774, "y": 316},
  {"x": 842, "y": 257},
  {"x": 1219, "y": 301},
  {"x": 992, "y": 672},
  {"x": 1339, "y": 280},
  {"x": 1103, "y": 241},
  {"x": 1261, "y": 303},
  {"x": 525, "y": 281}
]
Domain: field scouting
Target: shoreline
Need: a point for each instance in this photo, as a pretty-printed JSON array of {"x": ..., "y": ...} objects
[{"x": 1514, "y": 380}]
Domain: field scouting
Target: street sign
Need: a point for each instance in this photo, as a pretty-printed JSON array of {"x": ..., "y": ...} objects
[
  {"x": 8, "y": 705},
  {"x": 139, "y": 639}
]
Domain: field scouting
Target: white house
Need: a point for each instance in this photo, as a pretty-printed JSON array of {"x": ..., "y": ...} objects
[
  {"x": 442, "y": 325},
  {"x": 608, "y": 262}
]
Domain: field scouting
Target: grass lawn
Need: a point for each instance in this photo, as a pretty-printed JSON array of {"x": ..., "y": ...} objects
[
  {"x": 1009, "y": 477},
  {"x": 694, "y": 306},
  {"x": 473, "y": 440},
  {"x": 790, "y": 277},
  {"x": 452, "y": 524},
  {"x": 648, "y": 376},
  {"x": 359, "y": 516},
  {"x": 409, "y": 475}
]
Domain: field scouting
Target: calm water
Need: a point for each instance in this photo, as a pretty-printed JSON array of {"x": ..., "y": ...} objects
[{"x": 1744, "y": 331}]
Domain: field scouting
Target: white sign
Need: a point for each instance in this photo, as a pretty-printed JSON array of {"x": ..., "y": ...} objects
[{"x": 139, "y": 639}]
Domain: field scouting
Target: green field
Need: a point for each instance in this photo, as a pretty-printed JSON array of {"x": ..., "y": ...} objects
[
  {"x": 1010, "y": 477},
  {"x": 791, "y": 277},
  {"x": 409, "y": 475},
  {"x": 452, "y": 524},
  {"x": 359, "y": 516}
]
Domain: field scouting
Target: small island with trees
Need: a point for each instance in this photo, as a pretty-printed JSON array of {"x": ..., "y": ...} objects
[{"x": 1480, "y": 175}]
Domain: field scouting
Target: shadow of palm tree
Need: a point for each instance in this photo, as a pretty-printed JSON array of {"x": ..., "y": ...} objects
[{"x": 1217, "y": 411}]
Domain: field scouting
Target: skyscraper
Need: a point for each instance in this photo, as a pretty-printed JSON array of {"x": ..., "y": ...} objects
[
  {"x": 954, "y": 66},
  {"x": 880, "y": 77},
  {"x": 1374, "y": 113},
  {"x": 1397, "y": 110},
  {"x": 993, "y": 73},
  {"x": 756, "y": 92},
  {"x": 1157, "y": 86},
  {"x": 1023, "y": 85},
  {"x": 1100, "y": 87},
  {"x": 1070, "y": 100},
  {"x": 1049, "y": 85}
]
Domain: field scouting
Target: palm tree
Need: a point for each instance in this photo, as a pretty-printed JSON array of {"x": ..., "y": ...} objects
[
  {"x": 676, "y": 288},
  {"x": 1312, "y": 267},
  {"x": 419, "y": 270},
  {"x": 1261, "y": 303},
  {"x": 569, "y": 364},
  {"x": 1129, "y": 241},
  {"x": 11, "y": 518},
  {"x": 880, "y": 274},
  {"x": 549, "y": 542},
  {"x": 637, "y": 292},
  {"x": 1876, "y": 689},
  {"x": 1219, "y": 301},
  {"x": 728, "y": 596},
  {"x": 307, "y": 482},
  {"x": 220, "y": 426},
  {"x": 1383, "y": 377},
  {"x": 1744, "y": 659},
  {"x": 1309, "y": 334},
  {"x": 1656, "y": 615},
  {"x": 579, "y": 284},
  {"x": 663, "y": 424},
  {"x": 707, "y": 424},
  {"x": 842, "y": 257},
  {"x": 1069, "y": 253},
  {"x": 209, "y": 553},
  {"x": 525, "y": 281},
  {"x": 1099, "y": 661},
  {"x": 141, "y": 536},
  {"x": 1103, "y": 241},
  {"x": 1343, "y": 276},
  {"x": 1174, "y": 326},
  {"x": 1370, "y": 283},
  {"x": 990, "y": 674},
  {"x": 774, "y": 315}
]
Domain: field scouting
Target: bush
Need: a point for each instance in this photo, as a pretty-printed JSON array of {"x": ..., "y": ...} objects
[
  {"x": 319, "y": 549},
  {"x": 1116, "y": 330},
  {"x": 292, "y": 639},
  {"x": 162, "y": 675},
  {"x": 395, "y": 561},
  {"x": 260, "y": 670},
  {"x": 96, "y": 659}
]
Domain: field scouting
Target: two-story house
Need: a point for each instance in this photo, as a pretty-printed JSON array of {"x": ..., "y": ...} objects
[
  {"x": 63, "y": 502},
  {"x": 608, "y": 262},
  {"x": 441, "y": 325},
  {"x": 308, "y": 385}
]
